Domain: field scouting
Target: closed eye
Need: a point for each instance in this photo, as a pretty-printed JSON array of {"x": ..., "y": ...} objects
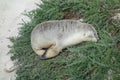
[{"x": 90, "y": 36}]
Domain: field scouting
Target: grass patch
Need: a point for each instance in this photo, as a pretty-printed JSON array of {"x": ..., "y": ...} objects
[{"x": 89, "y": 61}]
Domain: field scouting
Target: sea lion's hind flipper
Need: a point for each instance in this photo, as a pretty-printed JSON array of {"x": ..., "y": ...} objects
[
  {"x": 44, "y": 48},
  {"x": 52, "y": 52},
  {"x": 43, "y": 56}
]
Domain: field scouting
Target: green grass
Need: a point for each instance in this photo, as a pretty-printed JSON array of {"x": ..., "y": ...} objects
[{"x": 88, "y": 61}]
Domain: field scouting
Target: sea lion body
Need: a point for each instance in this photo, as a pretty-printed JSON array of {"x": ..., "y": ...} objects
[{"x": 58, "y": 34}]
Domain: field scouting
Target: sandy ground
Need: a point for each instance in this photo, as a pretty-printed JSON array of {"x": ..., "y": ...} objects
[{"x": 10, "y": 17}]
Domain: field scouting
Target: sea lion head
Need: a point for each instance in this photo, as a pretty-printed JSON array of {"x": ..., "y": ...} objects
[{"x": 90, "y": 34}]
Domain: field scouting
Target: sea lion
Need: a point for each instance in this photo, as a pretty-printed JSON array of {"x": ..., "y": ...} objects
[{"x": 50, "y": 37}]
